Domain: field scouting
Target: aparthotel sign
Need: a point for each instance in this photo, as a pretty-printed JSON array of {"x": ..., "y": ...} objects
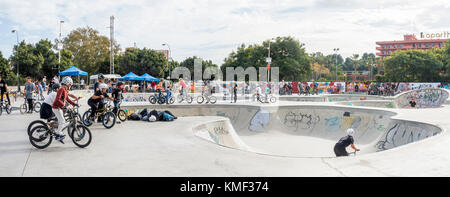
[{"x": 440, "y": 35}]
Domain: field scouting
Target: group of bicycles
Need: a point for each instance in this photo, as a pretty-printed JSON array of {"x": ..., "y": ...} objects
[{"x": 41, "y": 133}]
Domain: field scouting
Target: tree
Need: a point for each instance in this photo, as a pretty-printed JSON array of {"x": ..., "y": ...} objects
[
  {"x": 51, "y": 60},
  {"x": 189, "y": 64},
  {"x": 29, "y": 62},
  {"x": 287, "y": 53},
  {"x": 413, "y": 66},
  {"x": 141, "y": 61},
  {"x": 89, "y": 48},
  {"x": 446, "y": 61},
  {"x": 355, "y": 63},
  {"x": 6, "y": 72}
]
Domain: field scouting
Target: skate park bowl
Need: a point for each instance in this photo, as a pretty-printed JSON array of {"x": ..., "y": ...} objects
[
  {"x": 307, "y": 131},
  {"x": 425, "y": 98}
]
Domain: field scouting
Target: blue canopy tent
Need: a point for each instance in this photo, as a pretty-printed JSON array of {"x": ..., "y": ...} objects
[
  {"x": 74, "y": 71},
  {"x": 149, "y": 78},
  {"x": 131, "y": 77}
]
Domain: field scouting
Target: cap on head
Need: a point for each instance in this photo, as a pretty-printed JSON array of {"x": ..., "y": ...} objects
[{"x": 350, "y": 132}]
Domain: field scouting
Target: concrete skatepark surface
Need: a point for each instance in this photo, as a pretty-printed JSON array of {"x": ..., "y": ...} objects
[{"x": 410, "y": 142}]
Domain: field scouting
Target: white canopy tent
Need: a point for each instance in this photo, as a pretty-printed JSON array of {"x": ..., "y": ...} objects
[{"x": 109, "y": 76}]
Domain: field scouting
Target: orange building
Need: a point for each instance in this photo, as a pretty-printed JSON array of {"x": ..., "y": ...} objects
[{"x": 386, "y": 48}]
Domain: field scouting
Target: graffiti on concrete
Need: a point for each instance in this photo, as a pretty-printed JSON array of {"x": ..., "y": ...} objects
[
  {"x": 401, "y": 134},
  {"x": 300, "y": 120},
  {"x": 333, "y": 124},
  {"x": 259, "y": 121},
  {"x": 133, "y": 97},
  {"x": 425, "y": 98}
]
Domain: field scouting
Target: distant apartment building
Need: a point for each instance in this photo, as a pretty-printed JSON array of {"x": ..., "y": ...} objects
[{"x": 387, "y": 48}]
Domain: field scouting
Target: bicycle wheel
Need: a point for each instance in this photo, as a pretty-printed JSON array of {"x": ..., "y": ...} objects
[
  {"x": 109, "y": 120},
  {"x": 212, "y": 99},
  {"x": 189, "y": 99},
  {"x": 23, "y": 108},
  {"x": 171, "y": 100},
  {"x": 200, "y": 99},
  {"x": 37, "y": 107},
  {"x": 86, "y": 120},
  {"x": 8, "y": 109},
  {"x": 180, "y": 98},
  {"x": 152, "y": 100},
  {"x": 43, "y": 134},
  {"x": 34, "y": 124},
  {"x": 273, "y": 99},
  {"x": 81, "y": 136},
  {"x": 122, "y": 115}
]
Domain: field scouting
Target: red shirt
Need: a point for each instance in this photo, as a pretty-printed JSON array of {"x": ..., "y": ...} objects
[{"x": 62, "y": 96}]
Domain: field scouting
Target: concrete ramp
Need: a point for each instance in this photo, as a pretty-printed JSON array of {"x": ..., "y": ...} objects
[
  {"x": 312, "y": 131},
  {"x": 425, "y": 98}
]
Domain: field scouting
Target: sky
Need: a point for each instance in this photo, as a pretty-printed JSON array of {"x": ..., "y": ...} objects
[{"x": 212, "y": 29}]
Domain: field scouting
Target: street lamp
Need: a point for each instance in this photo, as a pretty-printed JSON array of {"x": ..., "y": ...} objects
[
  {"x": 335, "y": 52},
  {"x": 59, "y": 46},
  {"x": 169, "y": 57},
  {"x": 17, "y": 64}
]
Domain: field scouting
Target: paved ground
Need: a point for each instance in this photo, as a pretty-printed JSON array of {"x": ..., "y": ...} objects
[{"x": 172, "y": 149}]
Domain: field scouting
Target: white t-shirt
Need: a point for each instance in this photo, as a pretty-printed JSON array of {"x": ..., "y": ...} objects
[
  {"x": 49, "y": 99},
  {"x": 258, "y": 90}
]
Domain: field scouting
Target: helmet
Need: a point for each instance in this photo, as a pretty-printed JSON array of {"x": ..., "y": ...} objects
[
  {"x": 120, "y": 85},
  {"x": 101, "y": 76},
  {"x": 67, "y": 81},
  {"x": 350, "y": 132},
  {"x": 152, "y": 118},
  {"x": 102, "y": 86},
  {"x": 56, "y": 86}
]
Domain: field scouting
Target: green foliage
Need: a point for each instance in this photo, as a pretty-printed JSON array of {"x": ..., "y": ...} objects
[
  {"x": 413, "y": 66},
  {"x": 89, "y": 48},
  {"x": 287, "y": 53},
  {"x": 140, "y": 61},
  {"x": 189, "y": 63},
  {"x": 38, "y": 60}
]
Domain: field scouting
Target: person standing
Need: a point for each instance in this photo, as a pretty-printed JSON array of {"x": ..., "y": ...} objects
[
  {"x": 82, "y": 84},
  {"x": 412, "y": 103},
  {"x": 56, "y": 79},
  {"x": 29, "y": 90},
  {"x": 44, "y": 83},
  {"x": 234, "y": 93},
  {"x": 4, "y": 90}
]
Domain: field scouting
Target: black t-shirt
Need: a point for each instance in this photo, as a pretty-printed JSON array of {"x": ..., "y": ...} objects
[
  {"x": 413, "y": 104},
  {"x": 98, "y": 93},
  {"x": 345, "y": 141},
  {"x": 3, "y": 85},
  {"x": 96, "y": 86},
  {"x": 117, "y": 94}
]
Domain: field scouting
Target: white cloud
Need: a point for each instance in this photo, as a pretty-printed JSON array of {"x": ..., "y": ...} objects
[{"x": 212, "y": 29}]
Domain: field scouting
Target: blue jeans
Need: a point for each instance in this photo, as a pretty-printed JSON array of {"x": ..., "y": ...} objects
[{"x": 169, "y": 94}]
